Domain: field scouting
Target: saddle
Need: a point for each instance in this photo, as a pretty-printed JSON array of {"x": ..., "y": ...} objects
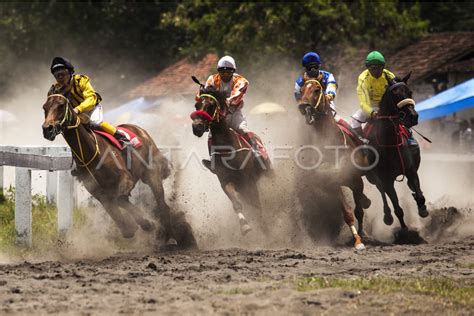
[
  {"x": 243, "y": 144},
  {"x": 132, "y": 137},
  {"x": 403, "y": 135}
]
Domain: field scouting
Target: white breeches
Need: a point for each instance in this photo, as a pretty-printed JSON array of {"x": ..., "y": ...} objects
[
  {"x": 93, "y": 117},
  {"x": 359, "y": 117},
  {"x": 237, "y": 121}
]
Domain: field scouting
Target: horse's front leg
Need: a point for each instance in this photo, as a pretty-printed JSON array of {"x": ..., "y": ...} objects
[
  {"x": 137, "y": 214},
  {"x": 414, "y": 185},
  {"x": 387, "y": 218},
  {"x": 233, "y": 195},
  {"x": 392, "y": 194},
  {"x": 361, "y": 202},
  {"x": 125, "y": 223},
  {"x": 349, "y": 219}
]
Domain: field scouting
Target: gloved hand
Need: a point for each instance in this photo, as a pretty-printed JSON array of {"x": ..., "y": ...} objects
[
  {"x": 329, "y": 97},
  {"x": 198, "y": 105}
]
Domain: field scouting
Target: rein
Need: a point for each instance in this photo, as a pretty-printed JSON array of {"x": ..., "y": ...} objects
[
  {"x": 217, "y": 112},
  {"x": 320, "y": 95},
  {"x": 392, "y": 118},
  {"x": 67, "y": 116}
]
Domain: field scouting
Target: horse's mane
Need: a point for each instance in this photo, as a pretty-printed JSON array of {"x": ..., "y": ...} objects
[{"x": 219, "y": 95}]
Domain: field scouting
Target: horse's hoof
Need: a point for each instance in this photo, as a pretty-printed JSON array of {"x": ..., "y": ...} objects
[
  {"x": 171, "y": 245},
  {"x": 422, "y": 211},
  {"x": 147, "y": 226},
  {"x": 388, "y": 219},
  {"x": 360, "y": 246},
  {"x": 245, "y": 229},
  {"x": 129, "y": 232}
]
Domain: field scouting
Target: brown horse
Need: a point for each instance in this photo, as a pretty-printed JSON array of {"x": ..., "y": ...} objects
[
  {"x": 232, "y": 159},
  {"x": 110, "y": 174},
  {"x": 318, "y": 113}
]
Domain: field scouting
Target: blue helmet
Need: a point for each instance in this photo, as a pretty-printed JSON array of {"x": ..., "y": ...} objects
[{"x": 311, "y": 58}]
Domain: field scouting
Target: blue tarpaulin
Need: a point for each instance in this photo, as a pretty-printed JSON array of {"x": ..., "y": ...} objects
[{"x": 447, "y": 102}]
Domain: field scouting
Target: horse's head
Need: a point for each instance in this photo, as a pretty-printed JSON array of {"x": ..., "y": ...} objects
[
  {"x": 397, "y": 100},
  {"x": 58, "y": 114},
  {"x": 313, "y": 99},
  {"x": 209, "y": 109}
]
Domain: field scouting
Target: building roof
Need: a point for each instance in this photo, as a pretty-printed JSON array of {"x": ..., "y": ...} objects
[
  {"x": 176, "y": 79},
  {"x": 432, "y": 54}
]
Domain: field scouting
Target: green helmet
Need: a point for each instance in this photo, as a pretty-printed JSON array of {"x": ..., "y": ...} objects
[{"x": 374, "y": 58}]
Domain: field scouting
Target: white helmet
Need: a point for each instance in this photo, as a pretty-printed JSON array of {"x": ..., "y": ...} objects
[{"x": 226, "y": 62}]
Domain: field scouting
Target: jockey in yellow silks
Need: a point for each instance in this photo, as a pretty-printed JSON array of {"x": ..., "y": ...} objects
[
  {"x": 234, "y": 86},
  {"x": 82, "y": 96},
  {"x": 371, "y": 86}
]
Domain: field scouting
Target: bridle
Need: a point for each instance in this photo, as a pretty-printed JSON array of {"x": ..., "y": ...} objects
[
  {"x": 67, "y": 115},
  {"x": 202, "y": 113},
  {"x": 320, "y": 95},
  {"x": 66, "y": 119}
]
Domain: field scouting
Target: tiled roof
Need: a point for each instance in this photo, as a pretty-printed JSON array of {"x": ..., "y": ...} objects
[
  {"x": 176, "y": 79},
  {"x": 432, "y": 53}
]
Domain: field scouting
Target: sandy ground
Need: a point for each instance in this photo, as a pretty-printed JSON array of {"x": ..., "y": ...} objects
[{"x": 236, "y": 281}]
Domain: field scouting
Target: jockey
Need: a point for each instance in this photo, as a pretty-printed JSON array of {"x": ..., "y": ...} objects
[
  {"x": 234, "y": 86},
  {"x": 80, "y": 93},
  {"x": 371, "y": 86},
  {"x": 311, "y": 63}
]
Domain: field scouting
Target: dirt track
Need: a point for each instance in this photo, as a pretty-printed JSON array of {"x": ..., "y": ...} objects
[{"x": 237, "y": 281}]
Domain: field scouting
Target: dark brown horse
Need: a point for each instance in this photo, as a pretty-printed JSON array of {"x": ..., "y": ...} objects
[
  {"x": 389, "y": 135},
  {"x": 110, "y": 174},
  {"x": 316, "y": 108},
  {"x": 232, "y": 159}
]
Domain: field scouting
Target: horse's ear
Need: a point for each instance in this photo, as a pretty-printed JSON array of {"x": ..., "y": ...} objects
[{"x": 405, "y": 79}]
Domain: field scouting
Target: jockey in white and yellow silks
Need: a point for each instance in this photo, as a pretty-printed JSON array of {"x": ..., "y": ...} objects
[
  {"x": 234, "y": 86},
  {"x": 82, "y": 96}
]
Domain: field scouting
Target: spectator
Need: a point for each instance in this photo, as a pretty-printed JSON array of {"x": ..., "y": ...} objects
[{"x": 463, "y": 138}]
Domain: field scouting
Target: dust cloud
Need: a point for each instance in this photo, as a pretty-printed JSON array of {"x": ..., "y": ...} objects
[{"x": 299, "y": 212}]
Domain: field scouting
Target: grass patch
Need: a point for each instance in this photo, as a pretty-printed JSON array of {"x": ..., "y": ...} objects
[
  {"x": 457, "y": 292},
  {"x": 44, "y": 223},
  {"x": 235, "y": 291}
]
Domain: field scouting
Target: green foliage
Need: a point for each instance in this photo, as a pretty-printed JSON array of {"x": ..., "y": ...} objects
[
  {"x": 454, "y": 291},
  {"x": 448, "y": 16},
  {"x": 44, "y": 222},
  {"x": 262, "y": 28},
  {"x": 121, "y": 43}
]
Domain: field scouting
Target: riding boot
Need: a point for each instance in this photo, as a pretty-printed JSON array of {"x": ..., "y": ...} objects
[
  {"x": 359, "y": 134},
  {"x": 122, "y": 139}
]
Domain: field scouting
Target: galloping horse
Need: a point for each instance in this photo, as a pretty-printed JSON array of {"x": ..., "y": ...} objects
[
  {"x": 232, "y": 159},
  {"x": 318, "y": 113},
  {"x": 110, "y": 174},
  {"x": 388, "y": 134}
]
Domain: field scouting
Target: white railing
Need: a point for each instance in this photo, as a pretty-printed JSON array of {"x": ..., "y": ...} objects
[{"x": 60, "y": 185}]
